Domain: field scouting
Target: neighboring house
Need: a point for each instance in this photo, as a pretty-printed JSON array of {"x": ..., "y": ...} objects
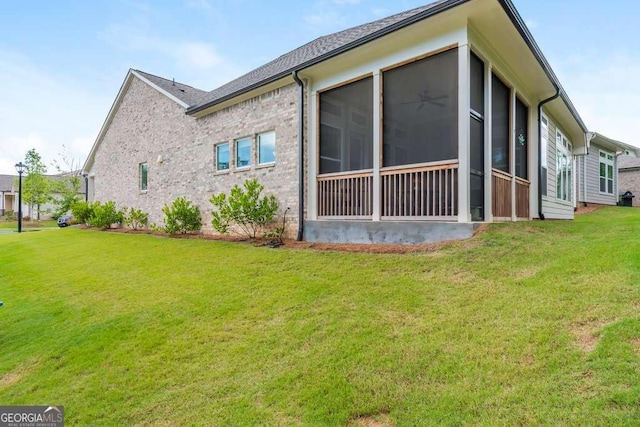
[
  {"x": 413, "y": 128},
  {"x": 597, "y": 172},
  {"x": 9, "y": 197},
  {"x": 629, "y": 176}
]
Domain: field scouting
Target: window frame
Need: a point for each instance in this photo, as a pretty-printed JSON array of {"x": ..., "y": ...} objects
[
  {"x": 249, "y": 140},
  {"x": 259, "y": 148},
  {"x": 567, "y": 151},
  {"x": 608, "y": 160},
  {"x": 544, "y": 153},
  {"x": 143, "y": 176},
  {"x": 216, "y": 148}
]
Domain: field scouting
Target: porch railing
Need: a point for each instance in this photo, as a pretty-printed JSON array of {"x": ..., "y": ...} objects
[
  {"x": 427, "y": 191},
  {"x": 346, "y": 194},
  {"x": 501, "y": 189},
  {"x": 522, "y": 198}
]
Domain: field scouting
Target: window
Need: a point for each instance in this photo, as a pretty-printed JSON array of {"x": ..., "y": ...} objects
[
  {"x": 420, "y": 111},
  {"x": 144, "y": 173},
  {"x": 606, "y": 172},
  {"x": 346, "y": 127},
  {"x": 522, "y": 136},
  {"x": 564, "y": 168},
  {"x": 544, "y": 138},
  {"x": 500, "y": 113},
  {"x": 266, "y": 148},
  {"x": 243, "y": 153},
  {"x": 222, "y": 157}
]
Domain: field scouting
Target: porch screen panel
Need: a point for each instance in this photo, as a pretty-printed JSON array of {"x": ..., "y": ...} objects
[
  {"x": 420, "y": 111},
  {"x": 522, "y": 137},
  {"x": 500, "y": 102},
  {"x": 346, "y": 127},
  {"x": 477, "y": 138}
]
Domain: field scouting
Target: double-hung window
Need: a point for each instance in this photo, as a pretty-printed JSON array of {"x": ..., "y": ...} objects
[
  {"x": 564, "y": 168},
  {"x": 607, "y": 161},
  {"x": 143, "y": 173}
]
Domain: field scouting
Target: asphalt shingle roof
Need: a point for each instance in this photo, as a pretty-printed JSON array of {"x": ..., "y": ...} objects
[
  {"x": 627, "y": 162},
  {"x": 310, "y": 51},
  {"x": 185, "y": 93},
  {"x": 6, "y": 182}
]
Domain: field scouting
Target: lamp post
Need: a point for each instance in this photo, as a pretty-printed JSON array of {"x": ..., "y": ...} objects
[{"x": 20, "y": 167}]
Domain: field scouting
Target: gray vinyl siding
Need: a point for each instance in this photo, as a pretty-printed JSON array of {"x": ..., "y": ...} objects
[
  {"x": 591, "y": 163},
  {"x": 551, "y": 207}
]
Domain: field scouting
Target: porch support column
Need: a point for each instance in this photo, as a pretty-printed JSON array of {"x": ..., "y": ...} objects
[
  {"x": 464, "y": 156},
  {"x": 312, "y": 165},
  {"x": 512, "y": 157},
  {"x": 377, "y": 141},
  {"x": 488, "y": 145}
]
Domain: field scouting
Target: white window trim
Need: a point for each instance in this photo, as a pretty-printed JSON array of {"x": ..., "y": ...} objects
[
  {"x": 235, "y": 153},
  {"x": 607, "y": 162},
  {"x": 258, "y": 163},
  {"x": 568, "y": 152},
  {"x": 215, "y": 151}
]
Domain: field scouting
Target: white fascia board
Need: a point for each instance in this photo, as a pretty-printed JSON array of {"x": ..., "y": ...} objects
[
  {"x": 598, "y": 138},
  {"x": 159, "y": 89}
]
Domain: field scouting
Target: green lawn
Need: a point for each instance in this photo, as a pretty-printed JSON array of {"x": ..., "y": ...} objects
[{"x": 529, "y": 323}]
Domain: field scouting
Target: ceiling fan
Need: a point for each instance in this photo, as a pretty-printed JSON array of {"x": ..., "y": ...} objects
[{"x": 424, "y": 98}]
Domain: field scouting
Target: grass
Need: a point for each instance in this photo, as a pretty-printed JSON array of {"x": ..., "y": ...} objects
[
  {"x": 28, "y": 224},
  {"x": 529, "y": 323}
]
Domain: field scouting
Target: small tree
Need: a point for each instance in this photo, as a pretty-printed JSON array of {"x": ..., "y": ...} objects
[
  {"x": 36, "y": 187},
  {"x": 69, "y": 185},
  {"x": 182, "y": 217},
  {"x": 136, "y": 219},
  {"x": 243, "y": 208}
]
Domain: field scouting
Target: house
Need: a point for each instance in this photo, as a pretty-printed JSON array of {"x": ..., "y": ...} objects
[
  {"x": 413, "y": 128},
  {"x": 629, "y": 176},
  {"x": 9, "y": 197},
  {"x": 597, "y": 178}
]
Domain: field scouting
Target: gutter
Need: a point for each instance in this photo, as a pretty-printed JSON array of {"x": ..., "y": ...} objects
[
  {"x": 300, "y": 155},
  {"x": 450, "y": 4},
  {"x": 540, "y": 104}
]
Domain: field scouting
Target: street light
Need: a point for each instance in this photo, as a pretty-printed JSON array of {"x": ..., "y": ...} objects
[{"x": 20, "y": 167}]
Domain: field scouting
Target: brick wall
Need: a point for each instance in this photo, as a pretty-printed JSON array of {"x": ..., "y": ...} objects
[
  {"x": 149, "y": 127},
  {"x": 629, "y": 180}
]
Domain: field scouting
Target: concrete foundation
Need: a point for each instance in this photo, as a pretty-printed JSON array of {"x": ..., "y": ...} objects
[{"x": 392, "y": 232}]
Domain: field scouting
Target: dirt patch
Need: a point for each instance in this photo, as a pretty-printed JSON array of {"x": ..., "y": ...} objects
[
  {"x": 294, "y": 244},
  {"x": 10, "y": 378},
  {"x": 635, "y": 343},
  {"x": 591, "y": 207},
  {"x": 587, "y": 333},
  {"x": 379, "y": 420}
]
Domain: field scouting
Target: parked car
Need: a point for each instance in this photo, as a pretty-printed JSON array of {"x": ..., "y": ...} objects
[{"x": 65, "y": 220}]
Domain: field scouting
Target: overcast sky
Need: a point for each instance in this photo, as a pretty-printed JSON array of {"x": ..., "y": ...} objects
[{"x": 62, "y": 62}]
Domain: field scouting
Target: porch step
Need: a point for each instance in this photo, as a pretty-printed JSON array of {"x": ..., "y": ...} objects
[{"x": 391, "y": 232}]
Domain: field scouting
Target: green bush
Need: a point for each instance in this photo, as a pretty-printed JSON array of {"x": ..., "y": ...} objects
[
  {"x": 136, "y": 219},
  {"x": 243, "y": 208},
  {"x": 104, "y": 215},
  {"x": 10, "y": 215},
  {"x": 182, "y": 217},
  {"x": 82, "y": 211}
]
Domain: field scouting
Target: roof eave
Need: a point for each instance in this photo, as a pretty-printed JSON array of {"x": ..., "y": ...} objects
[{"x": 347, "y": 47}]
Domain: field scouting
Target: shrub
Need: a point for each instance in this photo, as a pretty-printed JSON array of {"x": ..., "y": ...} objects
[
  {"x": 10, "y": 215},
  {"x": 182, "y": 217},
  {"x": 136, "y": 219},
  {"x": 82, "y": 211},
  {"x": 105, "y": 214},
  {"x": 243, "y": 208}
]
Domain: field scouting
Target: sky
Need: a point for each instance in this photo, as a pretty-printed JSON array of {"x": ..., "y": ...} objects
[{"x": 62, "y": 62}]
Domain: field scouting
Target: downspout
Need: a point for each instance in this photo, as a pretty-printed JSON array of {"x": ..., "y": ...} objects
[
  {"x": 300, "y": 156},
  {"x": 86, "y": 187},
  {"x": 540, "y": 104}
]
